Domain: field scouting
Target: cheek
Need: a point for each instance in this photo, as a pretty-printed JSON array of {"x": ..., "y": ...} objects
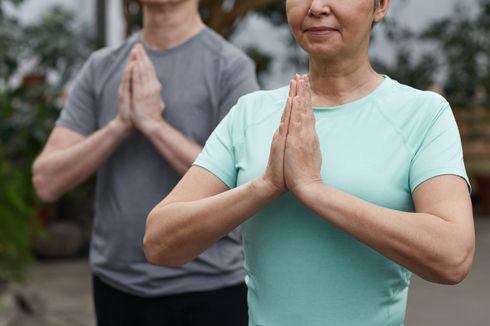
[{"x": 295, "y": 17}]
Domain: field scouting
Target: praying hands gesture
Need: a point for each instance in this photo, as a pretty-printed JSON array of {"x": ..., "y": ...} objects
[
  {"x": 202, "y": 209},
  {"x": 295, "y": 159},
  {"x": 141, "y": 106},
  {"x": 140, "y": 102}
]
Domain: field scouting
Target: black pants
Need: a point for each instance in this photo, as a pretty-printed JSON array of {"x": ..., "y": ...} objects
[{"x": 223, "y": 307}]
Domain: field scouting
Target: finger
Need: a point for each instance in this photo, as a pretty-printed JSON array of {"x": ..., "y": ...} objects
[
  {"x": 127, "y": 74},
  {"x": 133, "y": 54},
  {"x": 147, "y": 62},
  {"x": 297, "y": 78},
  {"x": 142, "y": 66},
  {"x": 126, "y": 79},
  {"x": 139, "y": 68},
  {"x": 124, "y": 88},
  {"x": 285, "y": 118},
  {"x": 308, "y": 95},
  {"x": 301, "y": 96},
  {"x": 301, "y": 89},
  {"x": 296, "y": 113},
  {"x": 305, "y": 92},
  {"x": 137, "y": 79},
  {"x": 127, "y": 87},
  {"x": 307, "y": 83},
  {"x": 292, "y": 88}
]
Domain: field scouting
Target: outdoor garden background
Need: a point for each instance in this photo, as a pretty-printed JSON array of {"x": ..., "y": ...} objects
[{"x": 450, "y": 54}]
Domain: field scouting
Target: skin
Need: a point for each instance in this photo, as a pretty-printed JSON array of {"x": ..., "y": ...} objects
[
  {"x": 436, "y": 241},
  {"x": 69, "y": 158}
]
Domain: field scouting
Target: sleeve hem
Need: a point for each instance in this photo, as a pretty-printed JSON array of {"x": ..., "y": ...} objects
[
  {"x": 212, "y": 168},
  {"x": 439, "y": 172},
  {"x": 73, "y": 127}
]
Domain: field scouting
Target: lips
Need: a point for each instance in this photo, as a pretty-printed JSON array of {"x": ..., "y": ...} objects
[{"x": 320, "y": 29}]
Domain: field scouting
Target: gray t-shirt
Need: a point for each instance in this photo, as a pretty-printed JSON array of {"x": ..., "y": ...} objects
[{"x": 201, "y": 80}]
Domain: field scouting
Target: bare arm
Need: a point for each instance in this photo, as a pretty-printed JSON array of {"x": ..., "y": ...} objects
[
  {"x": 436, "y": 242},
  {"x": 178, "y": 150},
  {"x": 147, "y": 108},
  {"x": 199, "y": 211},
  {"x": 70, "y": 158}
]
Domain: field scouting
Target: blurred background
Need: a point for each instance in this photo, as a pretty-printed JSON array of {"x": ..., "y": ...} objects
[{"x": 441, "y": 45}]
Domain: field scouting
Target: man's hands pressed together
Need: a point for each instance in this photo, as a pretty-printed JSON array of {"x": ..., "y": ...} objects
[{"x": 140, "y": 102}]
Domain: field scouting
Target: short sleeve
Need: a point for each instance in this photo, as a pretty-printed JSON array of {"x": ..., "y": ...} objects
[
  {"x": 218, "y": 154},
  {"x": 237, "y": 79},
  {"x": 79, "y": 112},
  {"x": 440, "y": 152}
]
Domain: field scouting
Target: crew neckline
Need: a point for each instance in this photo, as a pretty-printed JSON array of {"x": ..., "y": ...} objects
[
  {"x": 163, "y": 52},
  {"x": 356, "y": 103}
]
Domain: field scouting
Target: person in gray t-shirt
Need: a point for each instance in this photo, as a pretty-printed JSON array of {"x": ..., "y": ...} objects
[{"x": 138, "y": 116}]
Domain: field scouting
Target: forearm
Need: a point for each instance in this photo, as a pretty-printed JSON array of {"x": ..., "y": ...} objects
[
  {"x": 430, "y": 246},
  {"x": 59, "y": 169},
  {"x": 179, "y": 151},
  {"x": 178, "y": 232}
]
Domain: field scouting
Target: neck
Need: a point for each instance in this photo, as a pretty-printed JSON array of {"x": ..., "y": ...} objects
[
  {"x": 336, "y": 81},
  {"x": 168, "y": 25}
]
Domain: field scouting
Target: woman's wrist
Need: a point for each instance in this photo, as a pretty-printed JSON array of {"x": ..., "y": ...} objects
[
  {"x": 307, "y": 192},
  {"x": 265, "y": 191}
]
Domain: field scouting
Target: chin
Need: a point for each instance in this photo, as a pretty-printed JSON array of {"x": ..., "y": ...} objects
[{"x": 320, "y": 52}]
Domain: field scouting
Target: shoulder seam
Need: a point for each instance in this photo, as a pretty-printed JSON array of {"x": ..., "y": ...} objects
[
  {"x": 410, "y": 150},
  {"x": 254, "y": 123}
]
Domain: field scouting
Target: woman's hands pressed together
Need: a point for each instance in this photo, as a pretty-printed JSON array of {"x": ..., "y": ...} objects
[
  {"x": 295, "y": 158},
  {"x": 302, "y": 157}
]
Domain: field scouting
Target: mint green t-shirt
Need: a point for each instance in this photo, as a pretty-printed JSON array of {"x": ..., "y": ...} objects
[{"x": 302, "y": 270}]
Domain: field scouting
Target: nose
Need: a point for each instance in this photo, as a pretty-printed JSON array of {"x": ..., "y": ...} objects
[{"x": 319, "y": 8}]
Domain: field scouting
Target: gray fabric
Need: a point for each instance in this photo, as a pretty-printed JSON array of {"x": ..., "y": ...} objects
[{"x": 201, "y": 78}]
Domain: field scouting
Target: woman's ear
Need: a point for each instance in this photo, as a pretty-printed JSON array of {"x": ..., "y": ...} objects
[{"x": 381, "y": 11}]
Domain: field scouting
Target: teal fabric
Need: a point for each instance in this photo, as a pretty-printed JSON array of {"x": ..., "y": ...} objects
[{"x": 301, "y": 270}]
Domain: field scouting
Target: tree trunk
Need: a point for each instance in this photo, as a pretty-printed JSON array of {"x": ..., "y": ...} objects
[{"x": 100, "y": 23}]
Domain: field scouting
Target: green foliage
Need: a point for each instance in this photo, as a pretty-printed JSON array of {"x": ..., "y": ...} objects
[
  {"x": 27, "y": 114},
  {"x": 16, "y": 221},
  {"x": 13, "y": 2},
  {"x": 57, "y": 44},
  {"x": 10, "y": 34},
  {"x": 407, "y": 68},
  {"x": 464, "y": 50},
  {"x": 416, "y": 72},
  {"x": 275, "y": 13},
  {"x": 261, "y": 59}
]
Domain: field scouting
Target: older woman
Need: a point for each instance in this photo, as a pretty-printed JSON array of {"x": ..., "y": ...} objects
[{"x": 362, "y": 183}]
